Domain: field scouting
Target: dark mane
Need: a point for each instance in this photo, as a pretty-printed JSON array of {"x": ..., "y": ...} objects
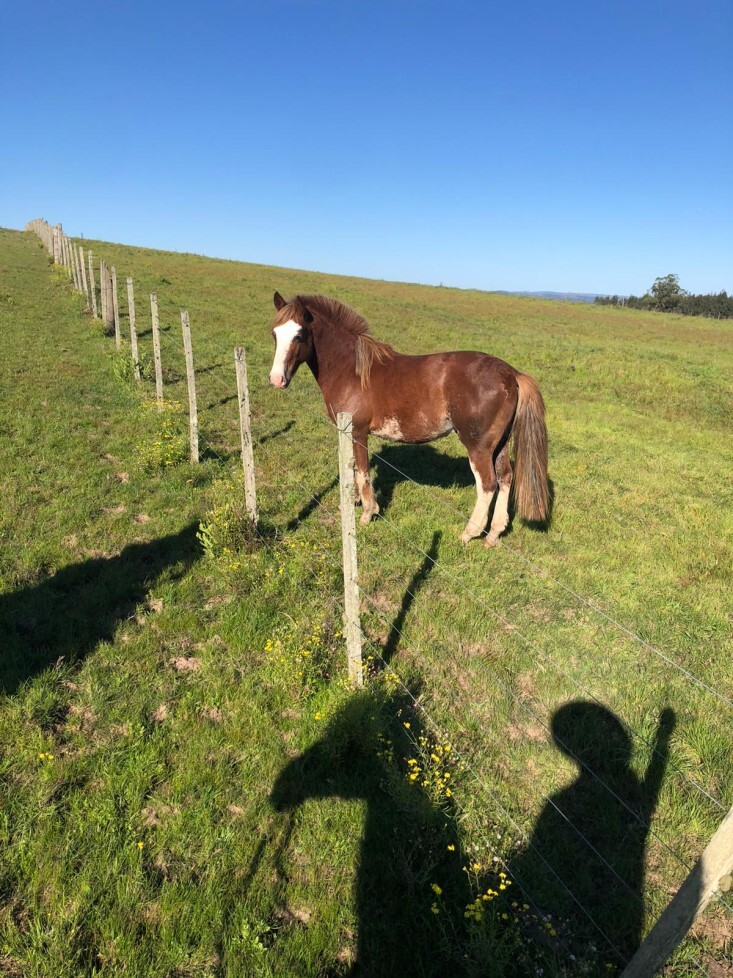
[{"x": 342, "y": 317}]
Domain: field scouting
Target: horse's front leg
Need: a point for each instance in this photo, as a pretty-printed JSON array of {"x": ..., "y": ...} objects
[{"x": 363, "y": 482}]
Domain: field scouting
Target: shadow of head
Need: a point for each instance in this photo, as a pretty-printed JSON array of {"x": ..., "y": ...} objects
[
  {"x": 592, "y": 735},
  {"x": 68, "y": 613},
  {"x": 346, "y": 761}
]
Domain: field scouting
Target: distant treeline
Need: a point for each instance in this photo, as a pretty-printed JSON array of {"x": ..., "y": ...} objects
[{"x": 667, "y": 296}]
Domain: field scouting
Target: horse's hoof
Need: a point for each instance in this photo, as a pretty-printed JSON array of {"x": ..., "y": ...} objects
[
  {"x": 467, "y": 537},
  {"x": 365, "y": 518},
  {"x": 492, "y": 540}
]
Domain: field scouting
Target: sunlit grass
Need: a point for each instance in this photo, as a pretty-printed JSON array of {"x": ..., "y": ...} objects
[{"x": 144, "y": 729}]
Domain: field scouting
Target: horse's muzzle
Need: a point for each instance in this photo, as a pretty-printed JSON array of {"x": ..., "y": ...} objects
[{"x": 279, "y": 381}]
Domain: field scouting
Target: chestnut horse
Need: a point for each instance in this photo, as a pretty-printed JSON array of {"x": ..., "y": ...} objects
[{"x": 417, "y": 399}]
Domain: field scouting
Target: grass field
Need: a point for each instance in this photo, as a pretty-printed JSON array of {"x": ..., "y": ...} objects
[{"x": 189, "y": 786}]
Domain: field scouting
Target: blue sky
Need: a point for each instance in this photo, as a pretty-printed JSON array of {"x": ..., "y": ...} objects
[{"x": 572, "y": 146}]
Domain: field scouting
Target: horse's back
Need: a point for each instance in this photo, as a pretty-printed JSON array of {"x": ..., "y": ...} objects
[{"x": 420, "y": 398}]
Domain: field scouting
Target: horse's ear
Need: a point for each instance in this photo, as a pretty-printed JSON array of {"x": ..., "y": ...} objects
[
  {"x": 279, "y": 301},
  {"x": 301, "y": 312}
]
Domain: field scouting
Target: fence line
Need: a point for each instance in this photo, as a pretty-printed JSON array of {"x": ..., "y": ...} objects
[{"x": 57, "y": 244}]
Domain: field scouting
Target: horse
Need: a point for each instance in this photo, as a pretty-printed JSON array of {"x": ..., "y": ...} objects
[{"x": 417, "y": 399}]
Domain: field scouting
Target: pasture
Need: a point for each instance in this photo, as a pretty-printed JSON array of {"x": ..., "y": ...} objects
[{"x": 189, "y": 785}]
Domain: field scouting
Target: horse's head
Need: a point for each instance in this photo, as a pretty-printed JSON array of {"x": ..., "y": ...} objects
[{"x": 293, "y": 339}]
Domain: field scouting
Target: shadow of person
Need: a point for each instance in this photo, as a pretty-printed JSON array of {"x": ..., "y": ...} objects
[
  {"x": 590, "y": 838},
  {"x": 67, "y": 614},
  {"x": 408, "y": 842}
]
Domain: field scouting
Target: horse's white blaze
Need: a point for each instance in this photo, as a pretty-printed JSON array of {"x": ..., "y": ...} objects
[{"x": 284, "y": 336}]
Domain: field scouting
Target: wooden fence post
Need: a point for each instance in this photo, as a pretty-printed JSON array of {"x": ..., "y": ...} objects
[
  {"x": 75, "y": 266},
  {"x": 193, "y": 418},
  {"x": 84, "y": 274},
  {"x": 352, "y": 626},
  {"x": 103, "y": 291},
  {"x": 57, "y": 245},
  {"x": 92, "y": 285},
  {"x": 156, "y": 349},
  {"x": 116, "y": 309},
  {"x": 67, "y": 257},
  {"x": 248, "y": 462},
  {"x": 107, "y": 310},
  {"x": 79, "y": 277},
  {"x": 133, "y": 331},
  {"x": 712, "y": 872}
]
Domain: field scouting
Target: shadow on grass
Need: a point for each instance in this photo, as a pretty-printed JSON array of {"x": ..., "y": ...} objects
[
  {"x": 592, "y": 834},
  {"x": 312, "y": 504},
  {"x": 417, "y": 581},
  {"x": 427, "y": 466},
  {"x": 423, "y": 464},
  {"x": 409, "y": 842},
  {"x": 275, "y": 434},
  {"x": 221, "y": 402},
  {"x": 68, "y": 614}
]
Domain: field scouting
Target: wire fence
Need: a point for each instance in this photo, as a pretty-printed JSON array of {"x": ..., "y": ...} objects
[{"x": 452, "y": 703}]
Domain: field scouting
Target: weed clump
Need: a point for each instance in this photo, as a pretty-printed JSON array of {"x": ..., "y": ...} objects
[
  {"x": 167, "y": 443},
  {"x": 227, "y": 531}
]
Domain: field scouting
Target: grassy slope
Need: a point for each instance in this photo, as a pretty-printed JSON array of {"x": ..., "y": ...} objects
[{"x": 639, "y": 410}]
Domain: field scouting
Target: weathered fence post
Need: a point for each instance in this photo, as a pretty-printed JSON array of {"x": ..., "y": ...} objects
[
  {"x": 156, "y": 349},
  {"x": 712, "y": 872},
  {"x": 57, "y": 245},
  {"x": 193, "y": 418},
  {"x": 75, "y": 266},
  {"x": 67, "y": 256},
  {"x": 133, "y": 331},
  {"x": 79, "y": 277},
  {"x": 103, "y": 294},
  {"x": 84, "y": 274},
  {"x": 116, "y": 309},
  {"x": 103, "y": 291},
  {"x": 248, "y": 462},
  {"x": 92, "y": 286},
  {"x": 352, "y": 626}
]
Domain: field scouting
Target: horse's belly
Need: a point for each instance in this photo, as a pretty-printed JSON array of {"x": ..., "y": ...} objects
[{"x": 416, "y": 428}]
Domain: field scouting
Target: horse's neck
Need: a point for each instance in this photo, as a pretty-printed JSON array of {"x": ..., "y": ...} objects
[{"x": 333, "y": 361}]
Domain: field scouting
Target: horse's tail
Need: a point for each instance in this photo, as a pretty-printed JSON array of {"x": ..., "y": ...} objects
[{"x": 531, "y": 489}]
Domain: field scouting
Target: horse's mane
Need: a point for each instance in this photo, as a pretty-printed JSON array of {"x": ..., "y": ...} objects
[{"x": 344, "y": 318}]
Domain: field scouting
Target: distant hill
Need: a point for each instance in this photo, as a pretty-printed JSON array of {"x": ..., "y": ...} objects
[{"x": 561, "y": 296}]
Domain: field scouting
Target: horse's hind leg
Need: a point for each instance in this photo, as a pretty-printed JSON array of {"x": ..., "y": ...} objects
[
  {"x": 500, "y": 519},
  {"x": 482, "y": 466}
]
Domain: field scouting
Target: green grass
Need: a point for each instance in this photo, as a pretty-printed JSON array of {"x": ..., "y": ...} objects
[{"x": 189, "y": 785}]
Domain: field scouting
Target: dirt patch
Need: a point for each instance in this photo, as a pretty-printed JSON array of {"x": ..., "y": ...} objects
[{"x": 186, "y": 663}]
